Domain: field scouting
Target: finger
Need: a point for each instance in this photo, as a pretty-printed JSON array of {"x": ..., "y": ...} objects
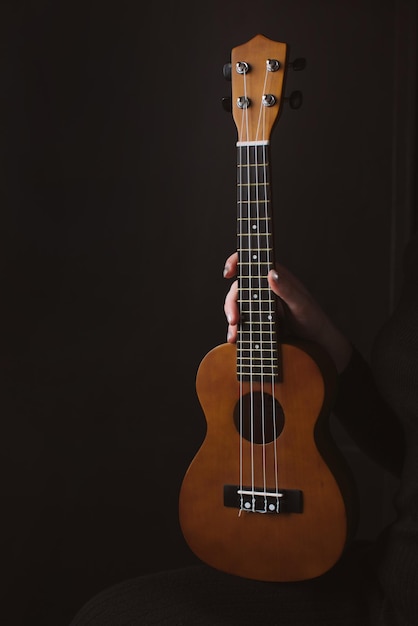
[
  {"x": 232, "y": 334},
  {"x": 231, "y": 306},
  {"x": 230, "y": 268}
]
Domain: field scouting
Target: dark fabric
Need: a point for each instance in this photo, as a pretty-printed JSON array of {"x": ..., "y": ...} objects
[
  {"x": 368, "y": 418},
  {"x": 385, "y": 424},
  {"x": 201, "y": 596},
  {"x": 377, "y": 586}
]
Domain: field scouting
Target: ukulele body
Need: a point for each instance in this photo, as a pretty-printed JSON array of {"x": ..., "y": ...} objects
[{"x": 306, "y": 537}]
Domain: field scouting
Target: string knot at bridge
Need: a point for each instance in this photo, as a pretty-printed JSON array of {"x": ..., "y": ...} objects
[{"x": 259, "y": 500}]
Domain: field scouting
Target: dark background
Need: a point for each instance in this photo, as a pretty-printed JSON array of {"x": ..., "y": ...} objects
[{"x": 117, "y": 213}]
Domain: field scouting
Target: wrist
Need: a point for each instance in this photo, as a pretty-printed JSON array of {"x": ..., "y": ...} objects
[{"x": 340, "y": 350}]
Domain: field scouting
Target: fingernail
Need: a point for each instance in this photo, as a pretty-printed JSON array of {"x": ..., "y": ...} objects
[
  {"x": 226, "y": 269},
  {"x": 228, "y": 317},
  {"x": 275, "y": 276}
]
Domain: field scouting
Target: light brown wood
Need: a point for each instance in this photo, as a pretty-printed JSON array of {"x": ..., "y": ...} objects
[
  {"x": 256, "y": 122},
  {"x": 270, "y": 547}
]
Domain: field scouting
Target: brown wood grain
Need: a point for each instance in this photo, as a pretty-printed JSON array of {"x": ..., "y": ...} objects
[
  {"x": 271, "y": 547},
  {"x": 257, "y": 122}
]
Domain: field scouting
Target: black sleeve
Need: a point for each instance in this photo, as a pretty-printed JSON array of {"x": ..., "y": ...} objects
[{"x": 367, "y": 418}]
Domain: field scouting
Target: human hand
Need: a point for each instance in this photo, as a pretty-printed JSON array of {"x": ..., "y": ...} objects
[{"x": 306, "y": 318}]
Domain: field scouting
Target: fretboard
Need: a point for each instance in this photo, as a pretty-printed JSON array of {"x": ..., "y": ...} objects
[{"x": 257, "y": 344}]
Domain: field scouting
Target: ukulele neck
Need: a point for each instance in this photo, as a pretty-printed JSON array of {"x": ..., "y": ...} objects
[{"x": 258, "y": 357}]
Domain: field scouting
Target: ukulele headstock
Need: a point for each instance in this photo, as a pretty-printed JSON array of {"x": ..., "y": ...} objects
[{"x": 257, "y": 73}]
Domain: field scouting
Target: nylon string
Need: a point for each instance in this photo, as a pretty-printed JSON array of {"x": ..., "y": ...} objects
[{"x": 263, "y": 205}]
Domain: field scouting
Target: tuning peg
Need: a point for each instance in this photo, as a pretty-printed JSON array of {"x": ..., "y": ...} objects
[
  {"x": 298, "y": 64},
  {"x": 295, "y": 100},
  {"x": 227, "y": 71},
  {"x": 227, "y": 104}
]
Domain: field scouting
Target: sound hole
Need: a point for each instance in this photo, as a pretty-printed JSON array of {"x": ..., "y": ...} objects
[{"x": 259, "y": 417}]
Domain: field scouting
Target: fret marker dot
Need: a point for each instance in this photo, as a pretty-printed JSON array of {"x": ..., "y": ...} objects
[
  {"x": 270, "y": 317},
  {"x": 254, "y": 256},
  {"x": 255, "y": 296},
  {"x": 254, "y": 227},
  {"x": 257, "y": 346}
]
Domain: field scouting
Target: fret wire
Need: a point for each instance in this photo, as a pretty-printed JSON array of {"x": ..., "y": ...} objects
[
  {"x": 255, "y": 250},
  {"x": 258, "y": 339},
  {"x": 269, "y": 360},
  {"x": 258, "y": 330},
  {"x": 246, "y": 355},
  {"x": 262, "y": 350}
]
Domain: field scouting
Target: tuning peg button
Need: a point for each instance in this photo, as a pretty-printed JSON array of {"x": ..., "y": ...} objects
[
  {"x": 227, "y": 71},
  {"x": 298, "y": 64},
  {"x": 295, "y": 100},
  {"x": 227, "y": 104}
]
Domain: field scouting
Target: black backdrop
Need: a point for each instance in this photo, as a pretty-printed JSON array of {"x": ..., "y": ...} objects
[{"x": 118, "y": 210}]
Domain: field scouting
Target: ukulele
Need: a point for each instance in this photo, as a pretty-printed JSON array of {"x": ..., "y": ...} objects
[{"x": 267, "y": 495}]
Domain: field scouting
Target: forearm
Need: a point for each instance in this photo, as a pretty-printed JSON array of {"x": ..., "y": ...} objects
[{"x": 367, "y": 418}]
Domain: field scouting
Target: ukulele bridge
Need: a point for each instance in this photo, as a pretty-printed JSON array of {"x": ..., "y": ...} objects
[{"x": 259, "y": 500}]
